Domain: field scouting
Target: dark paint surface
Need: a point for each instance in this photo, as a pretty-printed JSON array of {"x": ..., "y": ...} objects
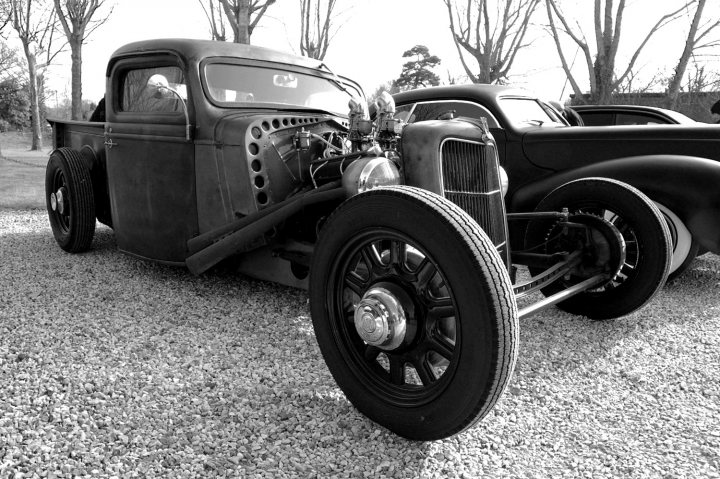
[{"x": 676, "y": 165}]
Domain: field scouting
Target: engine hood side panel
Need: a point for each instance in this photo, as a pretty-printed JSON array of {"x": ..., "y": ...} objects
[{"x": 252, "y": 163}]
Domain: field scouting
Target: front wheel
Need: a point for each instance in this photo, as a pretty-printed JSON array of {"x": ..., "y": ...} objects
[
  {"x": 413, "y": 311},
  {"x": 627, "y": 232}
]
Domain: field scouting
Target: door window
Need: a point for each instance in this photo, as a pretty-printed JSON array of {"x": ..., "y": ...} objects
[
  {"x": 136, "y": 96},
  {"x": 636, "y": 119},
  {"x": 592, "y": 118}
]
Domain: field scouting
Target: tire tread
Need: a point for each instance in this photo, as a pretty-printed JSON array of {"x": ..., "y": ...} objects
[
  {"x": 486, "y": 259},
  {"x": 82, "y": 221}
]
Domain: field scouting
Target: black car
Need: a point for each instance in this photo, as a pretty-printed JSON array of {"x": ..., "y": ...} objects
[
  {"x": 607, "y": 115},
  {"x": 677, "y": 166}
]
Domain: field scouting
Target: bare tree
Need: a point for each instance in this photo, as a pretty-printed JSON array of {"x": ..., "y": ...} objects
[
  {"x": 34, "y": 23},
  {"x": 215, "y": 17},
  {"x": 601, "y": 65},
  {"x": 697, "y": 39},
  {"x": 491, "y": 32},
  {"x": 316, "y": 20},
  {"x": 241, "y": 15},
  {"x": 76, "y": 19},
  {"x": 9, "y": 62},
  {"x": 636, "y": 85}
]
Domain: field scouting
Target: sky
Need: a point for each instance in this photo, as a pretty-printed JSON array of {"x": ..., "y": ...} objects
[{"x": 369, "y": 45}]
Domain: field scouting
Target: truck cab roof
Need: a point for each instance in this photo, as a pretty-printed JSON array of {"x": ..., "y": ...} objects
[{"x": 198, "y": 49}]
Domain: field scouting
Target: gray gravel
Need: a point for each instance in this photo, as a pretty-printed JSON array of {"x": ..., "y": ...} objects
[{"x": 113, "y": 367}]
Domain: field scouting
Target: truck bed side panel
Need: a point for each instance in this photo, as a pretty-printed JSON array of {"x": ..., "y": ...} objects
[{"x": 88, "y": 138}]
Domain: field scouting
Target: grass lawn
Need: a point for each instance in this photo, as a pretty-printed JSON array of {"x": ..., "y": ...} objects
[{"x": 22, "y": 172}]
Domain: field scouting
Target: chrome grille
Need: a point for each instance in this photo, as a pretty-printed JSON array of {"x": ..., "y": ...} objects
[{"x": 471, "y": 181}]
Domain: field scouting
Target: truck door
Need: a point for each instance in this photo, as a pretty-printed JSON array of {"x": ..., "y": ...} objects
[{"x": 150, "y": 162}]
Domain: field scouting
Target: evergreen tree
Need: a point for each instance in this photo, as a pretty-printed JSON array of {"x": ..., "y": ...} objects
[
  {"x": 14, "y": 104},
  {"x": 418, "y": 73}
]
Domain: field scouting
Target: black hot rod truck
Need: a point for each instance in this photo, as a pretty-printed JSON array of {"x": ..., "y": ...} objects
[{"x": 217, "y": 151}]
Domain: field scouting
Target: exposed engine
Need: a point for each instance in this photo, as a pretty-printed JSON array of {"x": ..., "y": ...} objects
[
  {"x": 453, "y": 158},
  {"x": 298, "y": 159},
  {"x": 364, "y": 139}
]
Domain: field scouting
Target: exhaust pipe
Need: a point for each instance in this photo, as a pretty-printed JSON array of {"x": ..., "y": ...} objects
[{"x": 214, "y": 246}]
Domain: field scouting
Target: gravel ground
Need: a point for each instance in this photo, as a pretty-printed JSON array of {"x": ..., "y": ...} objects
[{"x": 113, "y": 367}]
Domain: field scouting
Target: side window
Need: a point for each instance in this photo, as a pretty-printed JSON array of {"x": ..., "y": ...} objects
[
  {"x": 635, "y": 119},
  {"x": 137, "y": 97},
  {"x": 441, "y": 109},
  {"x": 596, "y": 118}
]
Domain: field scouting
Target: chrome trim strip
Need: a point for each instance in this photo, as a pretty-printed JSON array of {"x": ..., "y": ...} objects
[{"x": 489, "y": 193}]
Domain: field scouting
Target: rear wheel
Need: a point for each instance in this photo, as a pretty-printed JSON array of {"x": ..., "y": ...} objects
[
  {"x": 69, "y": 199},
  {"x": 615, "y": 213},
  {"x": 413, "y": 311}
]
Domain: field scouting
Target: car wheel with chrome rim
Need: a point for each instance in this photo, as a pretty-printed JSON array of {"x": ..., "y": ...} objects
[{"x": 413, "y": 311}]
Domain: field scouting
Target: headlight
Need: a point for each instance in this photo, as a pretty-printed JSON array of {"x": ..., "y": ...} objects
[
  {"x": 368, "y": 173},
  {"x": 504, "y": 181}
]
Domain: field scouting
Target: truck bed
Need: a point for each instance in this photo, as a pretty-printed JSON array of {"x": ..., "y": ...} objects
[
  {"x": 74, "y": 134},
  {"x": 87, "y": 138}
]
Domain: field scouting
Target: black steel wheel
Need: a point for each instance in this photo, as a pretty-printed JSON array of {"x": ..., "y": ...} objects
[
  {"x": 70, "y": 201},
  {"x": 629, "y": 240},
  {"x": 413, "y": 311}
]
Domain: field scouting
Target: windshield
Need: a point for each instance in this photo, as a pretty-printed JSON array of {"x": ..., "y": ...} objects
[
  {"x": 231, "y": 84},
  {"x": 527, "y": 111}
]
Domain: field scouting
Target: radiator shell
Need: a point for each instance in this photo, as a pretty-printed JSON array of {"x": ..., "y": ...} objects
[{"x": 458, "y": 160}]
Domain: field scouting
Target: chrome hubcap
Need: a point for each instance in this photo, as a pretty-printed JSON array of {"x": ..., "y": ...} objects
[
  {"x": 57, "y": 201},
  {"x": 380, "y": 319}
]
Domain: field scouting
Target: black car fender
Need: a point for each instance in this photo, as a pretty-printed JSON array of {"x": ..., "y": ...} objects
[{"x": 681, "y": 183}]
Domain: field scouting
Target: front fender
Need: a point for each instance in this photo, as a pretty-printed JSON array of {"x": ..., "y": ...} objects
[{"x": 689, "y": 186}]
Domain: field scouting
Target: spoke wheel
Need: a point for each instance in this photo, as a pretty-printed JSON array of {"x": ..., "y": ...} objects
[
  {"x": 69, "y": 200},
  {"x": 417, "y": 324},
  {"x": 641, "y": 233},
  {"x": 406, "y": 363}
]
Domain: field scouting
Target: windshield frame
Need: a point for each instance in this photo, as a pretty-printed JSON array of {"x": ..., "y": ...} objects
[
  {"x": 332, "y": 79},
  {"x": 528, "y": 122}
]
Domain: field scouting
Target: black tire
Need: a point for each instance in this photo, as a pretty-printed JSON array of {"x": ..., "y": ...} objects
[
  {"x": 70, "y": 201},
  {"x": 648, "y": 248},
  {"x": 460, "y": 343}
]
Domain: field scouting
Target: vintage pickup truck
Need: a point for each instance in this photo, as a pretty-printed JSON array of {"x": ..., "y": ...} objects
[
  {"x": 215, "y": 152},
  {"x": 677, "y": 166}
]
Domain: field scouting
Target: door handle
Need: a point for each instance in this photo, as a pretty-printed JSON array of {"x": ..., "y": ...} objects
[{"x": 109, "y": 143}]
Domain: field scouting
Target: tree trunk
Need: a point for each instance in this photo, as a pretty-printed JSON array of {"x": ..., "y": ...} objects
[
  {"x": 76, "y": 78},
  {"x": 604, "y": 71},
  {"x": 34, "y": 99},
  {"x": 673, "y": 91},
  {"x": 243, "y": 23}
]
